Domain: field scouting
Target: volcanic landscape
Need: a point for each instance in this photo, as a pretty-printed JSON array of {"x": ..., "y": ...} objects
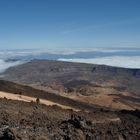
[{"x": 55, "y": 100}]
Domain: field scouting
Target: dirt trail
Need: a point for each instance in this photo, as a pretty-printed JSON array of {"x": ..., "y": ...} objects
[{"x": 29, "y": 99}]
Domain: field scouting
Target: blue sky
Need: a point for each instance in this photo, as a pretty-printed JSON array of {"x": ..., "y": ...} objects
[{"x": 69, "y": 23}]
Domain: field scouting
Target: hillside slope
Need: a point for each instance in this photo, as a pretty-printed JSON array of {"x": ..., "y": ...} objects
[
  {"x": 32, "y": 121},
  {"x": 95, "y": 84}
]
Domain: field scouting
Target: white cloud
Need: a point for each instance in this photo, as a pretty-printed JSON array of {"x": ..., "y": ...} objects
[
  {"x": 119, "y": 61},
  {"x": 4, "y": 65},
  {"x": 62, "y": 51}
]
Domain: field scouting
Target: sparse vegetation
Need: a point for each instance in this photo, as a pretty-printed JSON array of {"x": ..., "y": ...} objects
[{"x": 37, "y": 100}]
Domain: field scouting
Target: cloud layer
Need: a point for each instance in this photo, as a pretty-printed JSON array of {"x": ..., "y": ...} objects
[
  {"x": 120, "y": 57},
  {"x": 119, "y": 61},
  {"x": 4, "y": 65}
]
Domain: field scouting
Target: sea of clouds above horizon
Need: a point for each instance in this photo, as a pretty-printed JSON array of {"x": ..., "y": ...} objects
[
  {"x": 127, "y": 58},
  {"x": 118, "y": 61}
]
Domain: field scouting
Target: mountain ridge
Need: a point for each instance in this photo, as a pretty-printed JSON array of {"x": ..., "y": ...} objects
[{"x": 103, "y": 85}]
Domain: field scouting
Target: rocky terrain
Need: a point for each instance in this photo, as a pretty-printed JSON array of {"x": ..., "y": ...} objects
[
  {"x": 33, "y": 121},
  {"x": 112, "y": 87}
]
